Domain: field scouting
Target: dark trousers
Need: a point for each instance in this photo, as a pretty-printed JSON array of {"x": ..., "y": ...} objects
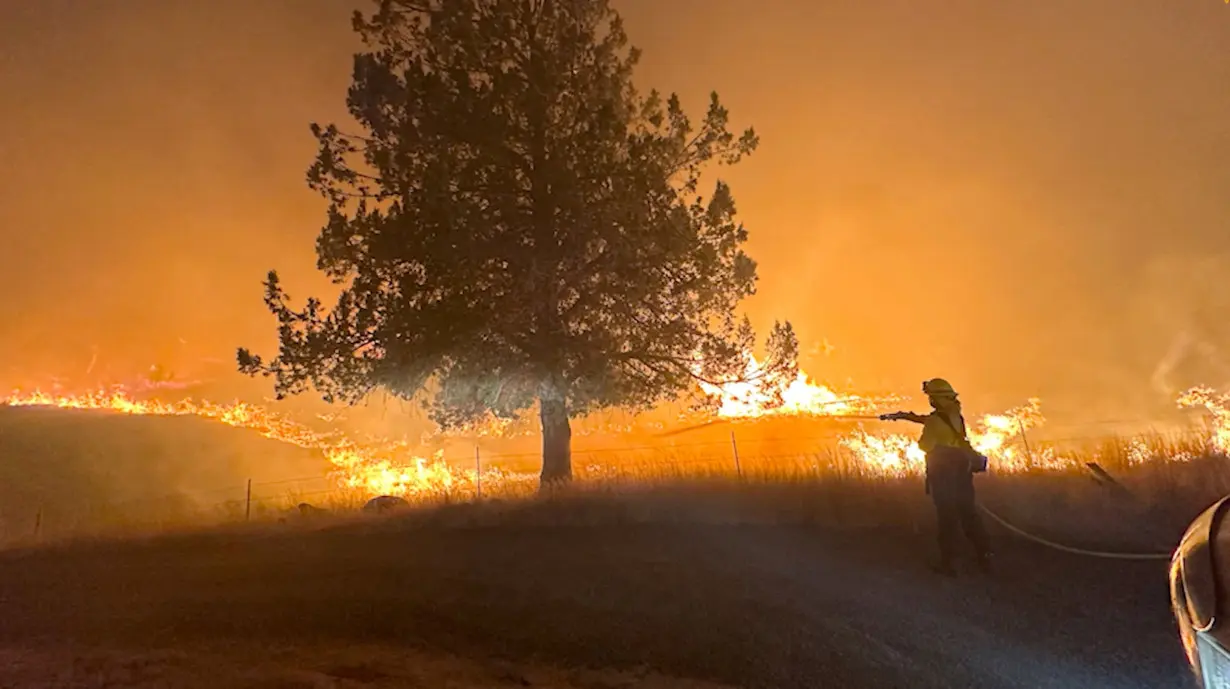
[{"x": 956, "y": 511}]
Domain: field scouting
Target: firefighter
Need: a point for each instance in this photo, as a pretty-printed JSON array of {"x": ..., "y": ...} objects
[{"x": 951, "y": 465}]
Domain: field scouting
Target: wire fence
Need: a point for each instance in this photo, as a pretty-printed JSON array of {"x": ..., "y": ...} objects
[{"x": 485, "y": 474}]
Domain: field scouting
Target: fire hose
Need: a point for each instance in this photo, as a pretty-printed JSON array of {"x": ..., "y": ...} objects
[
  {"x": 1070, "y": 549},
  {"x": 1038, "y": 539},
  {"x": 719, "y": 422},
  {"x": 995, "y": 517}
]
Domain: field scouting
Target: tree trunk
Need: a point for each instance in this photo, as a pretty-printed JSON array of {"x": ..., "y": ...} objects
[{"x": 556, "y": 443}]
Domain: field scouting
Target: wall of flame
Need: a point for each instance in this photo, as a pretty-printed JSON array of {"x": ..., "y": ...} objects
[{"x": 381, "y": 466}]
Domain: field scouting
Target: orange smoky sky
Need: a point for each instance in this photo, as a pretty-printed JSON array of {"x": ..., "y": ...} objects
[{"x": 1030, "y": 198}]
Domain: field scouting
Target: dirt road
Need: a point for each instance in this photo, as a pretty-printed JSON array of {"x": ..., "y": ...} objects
[{"x": 741, "y": 605}]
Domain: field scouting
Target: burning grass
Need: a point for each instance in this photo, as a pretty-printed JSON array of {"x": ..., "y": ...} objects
[
  {"x": 1141, "y": 500},
  {"x": 644, "y": 545},
  {"x": 807, "y": 410},
  {"x": 802, "y": 462}
]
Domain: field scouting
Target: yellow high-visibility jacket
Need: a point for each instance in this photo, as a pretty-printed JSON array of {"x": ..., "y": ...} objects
[{"x": 937, "y": 433}]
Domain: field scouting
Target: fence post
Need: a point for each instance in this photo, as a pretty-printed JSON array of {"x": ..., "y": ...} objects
[
  {"x": 735, "y": 446},
  {"x": 478, "y": 474},
  {"x": 1029, "y": 454},
  {"x": 247, "y": 507}
]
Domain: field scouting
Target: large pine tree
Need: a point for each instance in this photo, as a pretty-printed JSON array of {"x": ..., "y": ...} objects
[{"x": 515, "y": 226}]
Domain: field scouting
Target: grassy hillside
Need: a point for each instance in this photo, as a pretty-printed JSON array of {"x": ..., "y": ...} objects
[{"x": 79, "y": 469}]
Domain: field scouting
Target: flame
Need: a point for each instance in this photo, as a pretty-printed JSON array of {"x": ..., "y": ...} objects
[
  {"x": 383, "y": 467},
  {"x": 998, "y": 436},
  {"x": 383, "y": 477},
  {"x": 377, "y": 468},
  {"x": 762, "y": 394},
  {"x": 892, "y": 454},
  {"x": 1002, "y": 436},
  {"x": 1219, "y": 406},
  {"x": 388, "y": 468}
]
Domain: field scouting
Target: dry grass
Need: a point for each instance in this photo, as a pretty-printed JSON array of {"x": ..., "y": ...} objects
[
  {"x": 343, "y": 599},
  {"x": 1159, "y": 484},
  {"x": 1143, "y": 505}
]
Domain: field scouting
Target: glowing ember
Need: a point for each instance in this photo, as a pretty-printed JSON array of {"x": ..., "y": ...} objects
[{"x": 762, "y": 394}]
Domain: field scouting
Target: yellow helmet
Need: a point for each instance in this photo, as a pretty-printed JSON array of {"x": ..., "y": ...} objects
[{"x": 938, "y": 387}]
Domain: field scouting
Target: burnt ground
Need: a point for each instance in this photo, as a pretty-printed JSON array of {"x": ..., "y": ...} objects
[{"x": 754, "y": 606}]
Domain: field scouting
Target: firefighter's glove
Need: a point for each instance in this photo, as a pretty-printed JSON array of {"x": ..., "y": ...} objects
[{"x": 898, "y": 416}]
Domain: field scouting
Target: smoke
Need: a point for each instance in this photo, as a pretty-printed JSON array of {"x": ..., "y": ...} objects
[
  {"x": 76, "y": 472},
  {"x": 1185, "y": 298},
  {"x": 976, "y": 191}
]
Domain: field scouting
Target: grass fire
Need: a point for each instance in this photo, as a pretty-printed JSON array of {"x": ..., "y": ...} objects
[
  {"x": 386, "y": 466},
  {"x": 594, "y": 343}
]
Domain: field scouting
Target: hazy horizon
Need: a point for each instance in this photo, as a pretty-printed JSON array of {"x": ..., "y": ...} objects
[{"x": 1027, "y": 198}]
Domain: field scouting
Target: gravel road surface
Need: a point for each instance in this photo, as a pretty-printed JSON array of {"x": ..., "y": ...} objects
[{"x": 750, "y": 606}]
